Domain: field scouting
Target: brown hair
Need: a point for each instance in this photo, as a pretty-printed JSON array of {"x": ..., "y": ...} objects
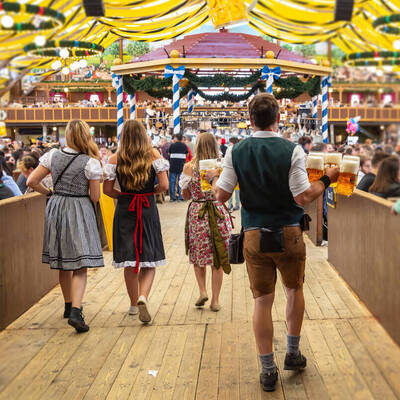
[
  {"x": 134, "y": 155},
  {"x": 378, "y": 157},
  {"x": 388, "y": 174},
  {"x": 78, "y": 137},
  {"x": 28, "y": 162},
  {"x": 363, "y": 160},
  {"x": 264, "y": 110},
  {"x": 206, "y": 148}
]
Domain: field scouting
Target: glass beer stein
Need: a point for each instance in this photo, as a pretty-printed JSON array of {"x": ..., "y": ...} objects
[
  {"x": 204, "y": 166},
  {"x": 332, "y": 160},
  {"x": 315, "y": 168},
  {"x": 348, "y": 177}
]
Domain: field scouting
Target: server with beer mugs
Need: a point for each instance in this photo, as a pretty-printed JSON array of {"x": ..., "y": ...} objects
[{"x": 274, "y": 187}]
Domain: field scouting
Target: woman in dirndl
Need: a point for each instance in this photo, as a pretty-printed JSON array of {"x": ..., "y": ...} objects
[
  {"x": 71, "y": 241},
  {"x": 208, "y": 224},
  {"x": 137, "y": 240}
]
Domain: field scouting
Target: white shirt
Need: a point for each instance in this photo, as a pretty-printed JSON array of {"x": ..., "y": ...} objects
[
  {"x": 298, "y": 178},
  {"x": 93, "y": 168}
]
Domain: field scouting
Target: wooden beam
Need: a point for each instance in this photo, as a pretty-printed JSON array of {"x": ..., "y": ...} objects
[{"x": 220, "y": 63}]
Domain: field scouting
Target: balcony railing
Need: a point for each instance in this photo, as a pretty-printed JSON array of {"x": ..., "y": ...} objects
[{"x": 109, "y": 114}]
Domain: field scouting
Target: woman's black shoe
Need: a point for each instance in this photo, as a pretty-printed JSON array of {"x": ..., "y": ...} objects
[
  {"x": 76, "y": 320},
  {"x": 67, "y": 310},
  {"x": 268, "y": 381}
]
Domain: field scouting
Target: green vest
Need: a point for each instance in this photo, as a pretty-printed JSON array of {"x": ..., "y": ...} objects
[{"x": 262, "y": 166}]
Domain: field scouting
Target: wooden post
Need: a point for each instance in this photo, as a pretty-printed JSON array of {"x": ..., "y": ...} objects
[
  {"x": 121, "y": 49},
  {"x": 330, "y": 52}
]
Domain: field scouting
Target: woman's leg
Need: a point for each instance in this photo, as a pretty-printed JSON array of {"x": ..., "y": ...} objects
[
  {"x": 146, "y": 278},
  {"x": 65, "y": 278},
  {"x": 200, "y": 273},
  {"x": 78, "y": 286},
  {"x": 132, "y": 285},
  {"x": 217, "y": 276}
]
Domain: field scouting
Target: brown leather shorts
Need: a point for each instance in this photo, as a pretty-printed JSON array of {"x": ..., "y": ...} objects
[{"x": 261, "y": 267}]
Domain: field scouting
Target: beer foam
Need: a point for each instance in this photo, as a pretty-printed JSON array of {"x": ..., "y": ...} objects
[
  {"x": 316, "y": 154},
  {"x": 352, "y": 158},
  {"x": 207, "y": 164},
  {"x": 315, "y": 162},
  {"x": 333, "y": 158},
  {"x": 350, "y": 166}
]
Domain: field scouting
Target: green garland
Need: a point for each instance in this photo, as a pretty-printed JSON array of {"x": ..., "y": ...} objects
[
  {"x": 222, "y": 80},
  {"x": 161, "y": 87},
  {"x": 51, "y": 48},
  {"x": 56, "y": 19},
  {"x": 383, "y": 24},
  {"x": 371, "y": 58}
]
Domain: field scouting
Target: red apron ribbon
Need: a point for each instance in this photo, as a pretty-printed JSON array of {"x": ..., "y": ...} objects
[{"x": 139, "y": 200}]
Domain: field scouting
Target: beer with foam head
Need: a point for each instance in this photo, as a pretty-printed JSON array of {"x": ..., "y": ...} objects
[
  {"x": 348, "y": 177},
  {"x": 204, "y": 166},
  {"x": 353, "y": 158},
  {"x": 332, "y": 160},
  {"x": 315, "y": 168}
]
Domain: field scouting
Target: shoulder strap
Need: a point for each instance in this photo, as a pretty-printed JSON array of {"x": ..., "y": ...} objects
[{"x": 66, "y": 167}]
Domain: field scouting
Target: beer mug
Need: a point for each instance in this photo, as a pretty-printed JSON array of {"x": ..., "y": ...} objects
[
  {"x": 348, "y": 177},
  {"x": 204, "y": 166},
  {"x": 315, "y": 168},
  {"x": 332, "y": 160},
  {"x": 353, "y": 158}
]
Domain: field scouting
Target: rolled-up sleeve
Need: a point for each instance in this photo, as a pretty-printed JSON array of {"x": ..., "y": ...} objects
[
  {"x": 298, "y": 177},
  {"x": 228, "y": 179}
]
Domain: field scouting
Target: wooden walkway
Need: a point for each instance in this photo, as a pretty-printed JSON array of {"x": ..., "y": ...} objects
[{"x": 197, "y": 354}]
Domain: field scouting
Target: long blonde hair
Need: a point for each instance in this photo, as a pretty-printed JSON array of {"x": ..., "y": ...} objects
[
  {"x": 206, "y": 148},
  {"x": 135, "y": 156},
  {"x": 78, "y": 137}
]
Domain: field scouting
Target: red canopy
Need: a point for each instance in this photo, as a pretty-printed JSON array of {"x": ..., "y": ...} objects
[{"x": 222, "y": 44}]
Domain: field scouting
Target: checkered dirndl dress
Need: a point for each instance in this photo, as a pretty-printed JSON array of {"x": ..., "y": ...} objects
[{"x": 71, "y": 237}]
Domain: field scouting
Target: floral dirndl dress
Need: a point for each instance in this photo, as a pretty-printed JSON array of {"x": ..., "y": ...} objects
[{"x": 208, "y": 227}]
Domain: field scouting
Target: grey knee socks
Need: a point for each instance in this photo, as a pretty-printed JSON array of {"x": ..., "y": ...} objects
[
  {"x": 293, "y": 344},
  {"x": 267, "y": 363}
]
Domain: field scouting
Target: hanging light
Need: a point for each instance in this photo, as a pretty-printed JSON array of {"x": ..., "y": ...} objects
[
  {"x": 64, "y": 53},
  {"x": 379, "y": 72},
  {"x": 66, "y": 90},
  {"x": 74, "y": 66},
  {"x": 396, "y": 44},
  {"x": 40, "y": 40},
  {"x": 56, "y": 65},
  {"x": 83, "y": 63},
  {"x": 65, "y": 71},
  {"x": 7, "y": 21}
]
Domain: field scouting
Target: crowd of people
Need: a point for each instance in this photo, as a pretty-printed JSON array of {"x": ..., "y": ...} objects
[{"x": 268, "y": 170}]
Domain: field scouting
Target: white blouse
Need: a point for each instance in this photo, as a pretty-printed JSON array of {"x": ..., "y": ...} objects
[
  {"x": 184, "y": 181},
  {"x": 93, "y": 168},
  {"x": 159, "y": 165}
]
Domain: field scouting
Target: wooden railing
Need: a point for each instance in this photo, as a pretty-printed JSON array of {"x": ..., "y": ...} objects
[
  {"x": 109, "y": 114},
  {"x": 364, "y": 239},
  {"x": 23, "y": 277}
]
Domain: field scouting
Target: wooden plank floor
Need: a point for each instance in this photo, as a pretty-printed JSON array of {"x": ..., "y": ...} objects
[{"x": 197, "y": 354}]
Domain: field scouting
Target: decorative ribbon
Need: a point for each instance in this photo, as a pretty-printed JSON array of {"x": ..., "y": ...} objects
[
  {"x": 325, "y": 84},
  {"x": 177, "y": 75},
  {"x": 117, "y": 84},
  {"x": 314, "y": 111},
  {"x": 139, "y": 200},
  {"x": 270, "y": 75},
  {"x": 191, "y": 95},
  {"x": 132, "y": 109}
]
